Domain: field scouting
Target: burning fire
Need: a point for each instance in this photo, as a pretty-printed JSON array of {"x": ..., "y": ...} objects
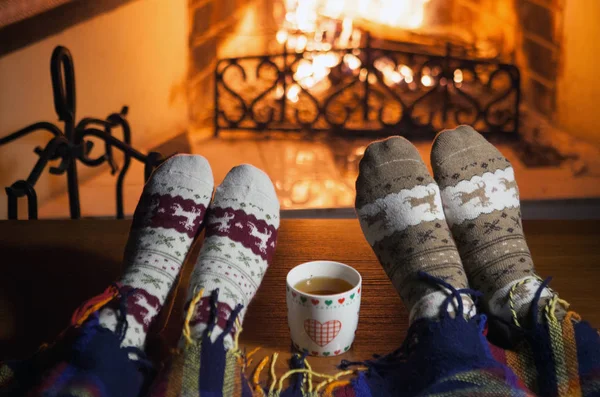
[
  {"x": 312, "y": 27},
  {"x": 305, "y": 15}
]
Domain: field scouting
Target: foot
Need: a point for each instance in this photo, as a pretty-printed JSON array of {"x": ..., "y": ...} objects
[
  {"x": 169, "y": 215},
  {"x": 481, "y": 202},
  {"x": 400, "y": 211},
  {"x": 239, "y": 244}
]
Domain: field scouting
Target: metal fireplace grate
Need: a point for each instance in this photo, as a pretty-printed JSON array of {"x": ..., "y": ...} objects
[{"x": 252, "y": 94}]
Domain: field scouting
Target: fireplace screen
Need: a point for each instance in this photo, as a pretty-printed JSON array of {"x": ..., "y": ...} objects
[{"x": 366, "y": 91}]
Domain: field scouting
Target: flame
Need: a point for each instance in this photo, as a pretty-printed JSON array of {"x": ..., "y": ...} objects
[
  {"x": 304, "y": 15},
  {"x": 426, "y": 80},
  {"x": 314, "y": 26},
  {"x": 387, "y": 67},
  {"x": 281, "y": 36},
  {"x": 352, "y": 61},
  {"x": 398, "y": 13},
  {"x": 301, "y": 43},
  {"x": 279, "y": 92},
  {"x": 405, "y": 71},
  {"x": 458, "y": 76},
  {"x": 293, "y": 93}
]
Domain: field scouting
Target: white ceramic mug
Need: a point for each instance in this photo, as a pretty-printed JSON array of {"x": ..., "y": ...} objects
[{"x": 323, "y": 325}]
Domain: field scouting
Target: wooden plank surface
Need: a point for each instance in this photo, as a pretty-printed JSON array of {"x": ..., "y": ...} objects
[{"x": 47, "y": 268}]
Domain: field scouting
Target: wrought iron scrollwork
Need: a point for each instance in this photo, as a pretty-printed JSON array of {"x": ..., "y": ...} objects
[
  {"x": 441, "y": 90},
  {"x": 69, "y": 145}
]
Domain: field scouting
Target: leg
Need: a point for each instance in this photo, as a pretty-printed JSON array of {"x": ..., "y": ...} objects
[
  {"x": 401, "y": 214},
  {"x": 554, "y": 352},
  {"x": 242, "y": 225},
  {"x": 166, "y": 221},
  {"x": 102, "y": 352}
]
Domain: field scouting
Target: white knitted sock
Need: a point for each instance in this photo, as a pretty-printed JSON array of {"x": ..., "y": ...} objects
[
  {"x": 241, "y": 232},
  {"x": 169, "y": 215}
]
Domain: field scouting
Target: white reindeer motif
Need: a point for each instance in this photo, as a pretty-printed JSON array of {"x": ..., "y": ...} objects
[
  {"x": 427, "y": 200},
  {"x": 263, "y": 237},
  {"x": 223, "y": 221},
  {"x": 510, "y": 185},
  {"x": 151, "y": 311},
  {"x": 190, "y": 216}
]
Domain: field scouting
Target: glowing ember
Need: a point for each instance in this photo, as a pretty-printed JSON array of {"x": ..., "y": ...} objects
[
  {"x": 388, "y": 69},
  {"x": 292, "y": 94},
  {"x": 426, "y": 80},
  {"x": 305, "y": 69},
  {"x": 458, "y": 76},
  {"x": 301, "y": 44},
  {"x": 405, "y": 71},
  {"x": 314, "y": 27},
  {"x": 279, "y": 92},
  {"x": 281, "y": 36},
  {"x": 352, "y": 61},
  {"x": 362, "y": 76}
]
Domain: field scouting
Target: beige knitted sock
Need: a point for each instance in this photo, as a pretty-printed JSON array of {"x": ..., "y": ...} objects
[
  {"x": 481, "y": 202},
  {"x": 400, "y": 211}
]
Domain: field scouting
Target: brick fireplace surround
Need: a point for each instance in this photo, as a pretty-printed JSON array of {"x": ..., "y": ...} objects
[{"x": 528, "y": 33}]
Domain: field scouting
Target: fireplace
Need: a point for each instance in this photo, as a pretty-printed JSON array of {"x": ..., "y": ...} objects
[{"x": 300, "y": 87}]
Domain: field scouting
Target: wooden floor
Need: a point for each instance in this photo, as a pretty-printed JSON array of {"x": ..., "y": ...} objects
[{"x": 49, "y": 267}]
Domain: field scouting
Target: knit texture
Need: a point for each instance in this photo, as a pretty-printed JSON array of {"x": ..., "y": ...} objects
[
  {"x": 481, "y": 202},
  {"x": 168, "y": 216},
  {"x": 241, "y": 233},
  {"x": 400, "y": 212}
]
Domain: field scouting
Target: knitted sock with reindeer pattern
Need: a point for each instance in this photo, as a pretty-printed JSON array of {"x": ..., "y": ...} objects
[
  {"x": 169, "y": 215},
  {"x": 481, "y": 202},
  {"x": 241, "y": 233},
  {"x": 400, "y": 212}
]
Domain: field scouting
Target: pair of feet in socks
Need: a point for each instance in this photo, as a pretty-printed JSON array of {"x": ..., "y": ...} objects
[
  {"x": 241, "y": 229},
  {"x": 465, "y": 229},
  {"x": 470, "y": 232}
]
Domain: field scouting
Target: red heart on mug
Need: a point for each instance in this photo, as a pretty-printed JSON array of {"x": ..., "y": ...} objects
[
  {"x": 341, "y": 300},
  {"x": 315, "y": 301},
  {"x": 315, "y": 353},
  {"x": 358, "y": 291},
  {"x": 293, "y": 294},
  {"x": 322, "y": 333},
  {"x": 337, "y": 352}
]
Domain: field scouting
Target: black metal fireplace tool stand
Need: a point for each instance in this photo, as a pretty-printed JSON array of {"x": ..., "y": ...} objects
[{"x": 70, "y": 145}]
